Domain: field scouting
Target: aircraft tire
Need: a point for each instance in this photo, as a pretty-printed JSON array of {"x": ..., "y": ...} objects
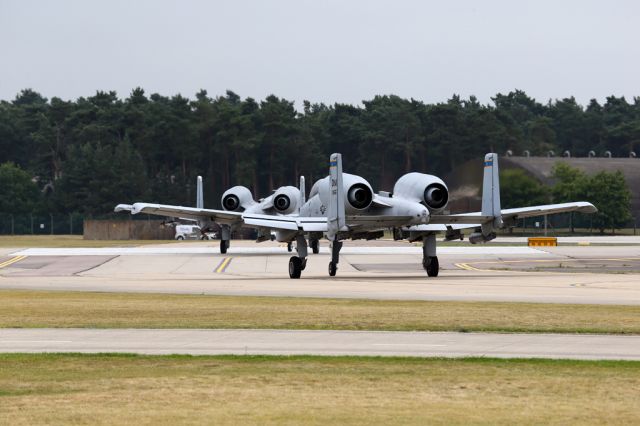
[
  {"x": 315, "y": 246},
  {"x": 295, "y": 267},
  {"x": 289, "y": 247},
  {"x": 432, "y": 266},
  {"x": 333, "y": 268},
  {"x": 223, "y": 246}
]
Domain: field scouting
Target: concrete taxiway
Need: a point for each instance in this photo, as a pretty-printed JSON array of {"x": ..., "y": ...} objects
[
  {"x": 305, "y": 342},
  {"x": 569, "y": 274}
]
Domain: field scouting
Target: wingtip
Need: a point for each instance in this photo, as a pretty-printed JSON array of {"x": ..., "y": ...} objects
[{"x": 123, "y": 207}]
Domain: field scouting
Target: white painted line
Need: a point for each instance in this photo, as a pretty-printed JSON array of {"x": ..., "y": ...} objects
[
  {"x": 143, "y": 251},
  {"x": 424, "y": 345},
  {"x": 35, "y": 341}
]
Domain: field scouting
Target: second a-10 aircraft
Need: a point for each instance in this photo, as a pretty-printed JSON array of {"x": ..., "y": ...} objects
[{"x": 344, "y": 206}]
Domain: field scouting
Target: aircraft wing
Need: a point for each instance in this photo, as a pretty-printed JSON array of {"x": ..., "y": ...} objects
[
  {"x": 477, "y": 218},
  {"x": 580, "y": 206},
  {"x": 291, "y": 223},
  {"x": 218, "y": 216}
]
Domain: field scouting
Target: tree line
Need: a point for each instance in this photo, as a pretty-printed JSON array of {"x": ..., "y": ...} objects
[{"x": 89, "y": 154}]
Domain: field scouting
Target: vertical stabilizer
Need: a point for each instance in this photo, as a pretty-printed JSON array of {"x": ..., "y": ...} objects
[
  {"x": 336, "y": 213},
  {"x": 303, "y": 193},
  {"x": 199, "y": 194},
  {"x": 491, "y": 193}
]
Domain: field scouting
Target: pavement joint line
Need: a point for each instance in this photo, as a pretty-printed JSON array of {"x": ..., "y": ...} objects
[
  {"x": 222, "y": 266},
  {"x": 12, "y": 261},
  {"x": 617, "y": 259}
]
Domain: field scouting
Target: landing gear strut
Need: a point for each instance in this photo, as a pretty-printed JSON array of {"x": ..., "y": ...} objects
[
  {"x": 225, "y": 238},
  {"x": 335, "y": 256},
  {"x": 429, "y": 259},
  {"x": 299, "y": 262}
]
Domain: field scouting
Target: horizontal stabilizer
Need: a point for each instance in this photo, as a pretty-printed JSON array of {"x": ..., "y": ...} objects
[{"x": 290, "y": 223}]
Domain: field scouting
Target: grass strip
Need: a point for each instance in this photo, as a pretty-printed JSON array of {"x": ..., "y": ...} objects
[
  {"x": 131, "y": 389},
  {"x": 35, "y": 309}
]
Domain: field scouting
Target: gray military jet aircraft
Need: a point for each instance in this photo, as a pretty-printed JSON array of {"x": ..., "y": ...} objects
[
  {"x": 343, "y": 206},
  {"x": 236, "y": 200}
]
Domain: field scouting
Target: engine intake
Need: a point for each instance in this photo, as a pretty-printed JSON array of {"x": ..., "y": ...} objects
[
  {"x": 359, "y": 196},
  {"x": 281, "y": 202},
  {"x": 436, "y": 196}
]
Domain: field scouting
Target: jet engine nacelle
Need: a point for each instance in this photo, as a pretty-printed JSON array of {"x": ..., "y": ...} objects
[
  {"x": 236, "y": 199},
  {"x": 426, "y": 189},
  {"x": 285, "y": 200},
  {"x": 357, "y": 192}
]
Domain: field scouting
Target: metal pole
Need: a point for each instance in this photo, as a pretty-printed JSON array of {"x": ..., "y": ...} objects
[
  {"x": 545, "y": 225},
  {"x": 571, "y": 222}
]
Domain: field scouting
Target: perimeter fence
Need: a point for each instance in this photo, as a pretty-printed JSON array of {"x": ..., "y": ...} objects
[{"x": 52, "y": 223}]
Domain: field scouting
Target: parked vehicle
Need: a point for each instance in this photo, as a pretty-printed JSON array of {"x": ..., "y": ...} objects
[{"x": 192, "y": 232}]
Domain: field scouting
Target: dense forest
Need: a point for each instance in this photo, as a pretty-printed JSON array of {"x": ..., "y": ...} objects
[{"x": 89, "y": 154}]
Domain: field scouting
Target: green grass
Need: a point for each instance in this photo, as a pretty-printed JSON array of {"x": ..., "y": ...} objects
[
  {"x": 130, "y": 389},
  {"x": 31, "y": 309}
]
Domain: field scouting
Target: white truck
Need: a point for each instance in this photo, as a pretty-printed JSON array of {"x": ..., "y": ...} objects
[{"x": 192, "y": 232}]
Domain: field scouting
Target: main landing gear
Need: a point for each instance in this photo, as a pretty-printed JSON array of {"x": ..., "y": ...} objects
[
  {"x": 299, "y": 262},
  {"x": 225, "y": 238},
  {"x": 315, "y": 246},
  {"x": 335, "y": 257},
  {"x": 429, "y": 259}
]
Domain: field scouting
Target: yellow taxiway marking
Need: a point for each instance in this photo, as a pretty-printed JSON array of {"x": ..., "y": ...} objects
[
  {"x": 468, "y": 267},
  {"x": 223, "y": 265},
  {"x": 12, "y": 261}
]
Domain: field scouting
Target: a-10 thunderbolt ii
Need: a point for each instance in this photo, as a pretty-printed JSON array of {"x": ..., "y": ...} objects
[
  {"x": 236, "y": 200},
  {"x": 343, "y": 206}
]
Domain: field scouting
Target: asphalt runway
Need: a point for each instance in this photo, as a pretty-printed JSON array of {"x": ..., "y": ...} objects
[
  {"x": 384, "y": 270},
  {"x": 305, "y": 342}
]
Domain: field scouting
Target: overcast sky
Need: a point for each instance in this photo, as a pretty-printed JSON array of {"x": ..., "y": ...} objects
[{"x": 323, "y": 51}]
